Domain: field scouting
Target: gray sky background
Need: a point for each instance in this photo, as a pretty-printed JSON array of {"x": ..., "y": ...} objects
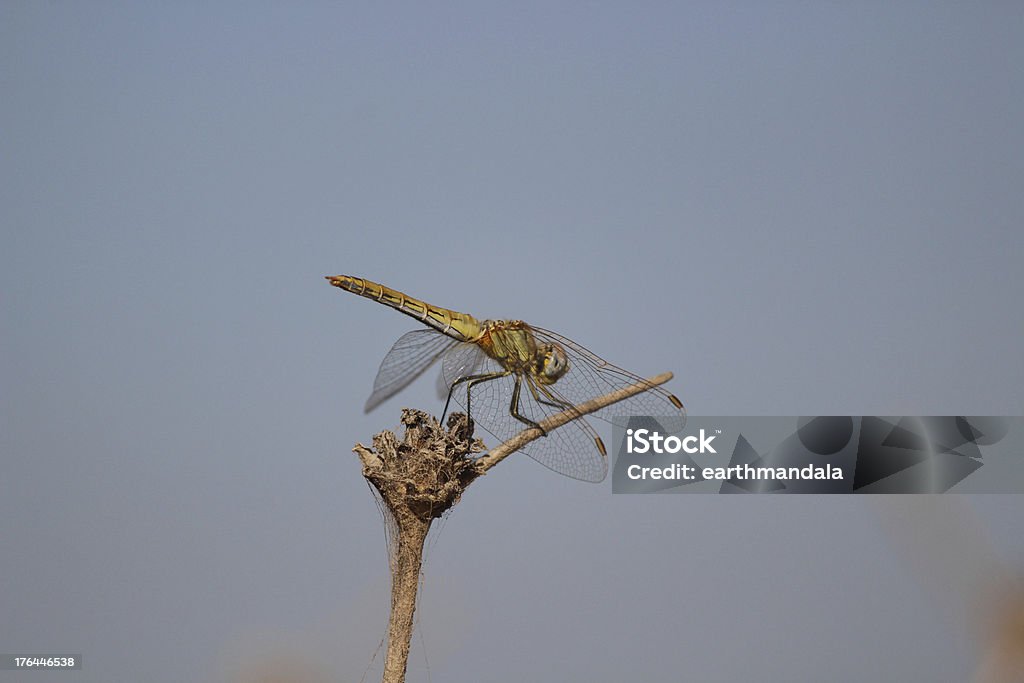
[{"x": 797, "y": 208}]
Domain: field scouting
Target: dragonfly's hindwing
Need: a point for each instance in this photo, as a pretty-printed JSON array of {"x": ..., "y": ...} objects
[{"x": 409, "y": 358}]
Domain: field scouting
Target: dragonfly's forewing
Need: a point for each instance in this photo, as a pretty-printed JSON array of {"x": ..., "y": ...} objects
[{"x": 409, "y": 358}]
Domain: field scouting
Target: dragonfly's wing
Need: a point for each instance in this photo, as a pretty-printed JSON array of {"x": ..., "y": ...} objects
[
  {"x": 442, "y": 387},
  {"x": 411, "y": 355},
  {"x": 572, "y": 449},
  {"x": 462, "y": 360},
  {"x": 590, "y": 376}
]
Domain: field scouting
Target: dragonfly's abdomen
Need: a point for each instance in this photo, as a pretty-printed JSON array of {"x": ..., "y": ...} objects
[{"x": 461, "y": 326}]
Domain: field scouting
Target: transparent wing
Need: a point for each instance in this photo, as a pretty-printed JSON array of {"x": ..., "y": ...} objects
[
  {"x": 590, "y": 376},
  {"x": 462, "y": 360},
  {"x": 409, "y": 358},
  {"x": 572, "y": 449}
]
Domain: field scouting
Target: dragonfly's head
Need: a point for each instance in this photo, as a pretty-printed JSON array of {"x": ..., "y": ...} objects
[{"x": 552, "y": 363}]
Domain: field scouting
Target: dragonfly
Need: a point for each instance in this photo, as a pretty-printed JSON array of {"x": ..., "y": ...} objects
[{"x": 509, "y": 375}]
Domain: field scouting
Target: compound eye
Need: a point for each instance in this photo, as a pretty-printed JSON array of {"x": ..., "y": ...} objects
[{"x": 555, "y": 362}]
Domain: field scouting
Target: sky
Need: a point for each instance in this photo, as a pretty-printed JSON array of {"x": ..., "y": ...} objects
[{"x": 797, "y": 208}]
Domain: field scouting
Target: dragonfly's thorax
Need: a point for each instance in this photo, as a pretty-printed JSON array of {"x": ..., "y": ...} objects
[{"x": 513, "y": 344}]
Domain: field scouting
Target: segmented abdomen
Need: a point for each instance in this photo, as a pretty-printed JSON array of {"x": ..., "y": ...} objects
[{"x": 461, "y": 326}]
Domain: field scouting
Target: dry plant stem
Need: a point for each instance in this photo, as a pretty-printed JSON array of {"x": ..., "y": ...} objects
[
  {"x": 418, "y": 479},
  {"x": 404, "y": 584},
  {"x": 422, "y": 477}
]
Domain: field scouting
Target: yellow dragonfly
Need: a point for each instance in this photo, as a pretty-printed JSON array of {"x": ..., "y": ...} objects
[{"x": 509, "y": 375}]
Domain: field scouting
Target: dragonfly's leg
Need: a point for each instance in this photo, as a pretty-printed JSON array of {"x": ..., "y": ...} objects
[
  {"x": 554, "y": 402},
  {"x": 514, "y": 407},
  {"x": 477, "y": 380},
  {"x": 472, "y": 379}
]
